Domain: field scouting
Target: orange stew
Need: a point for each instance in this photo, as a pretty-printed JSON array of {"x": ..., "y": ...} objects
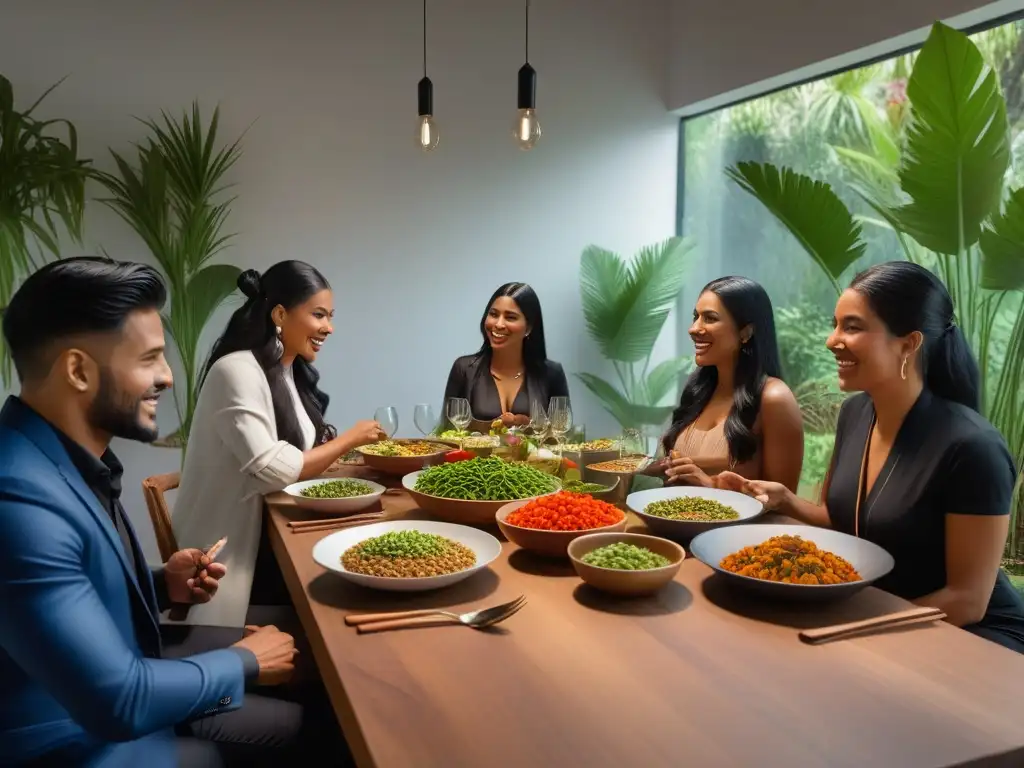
[{"x": 565, "y": 511}]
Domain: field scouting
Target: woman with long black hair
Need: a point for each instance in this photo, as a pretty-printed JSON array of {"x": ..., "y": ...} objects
[
  {"x": 735, "y": 412},
  {"x": 916, "y": 469},
  {"x": 511, "y": 370},
  {"x": 258, "y": 427}
]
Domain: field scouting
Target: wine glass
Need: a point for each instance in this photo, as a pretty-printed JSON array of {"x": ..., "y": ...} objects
[
  {"x": 559, "y": 418},
  {"x": 459, "y": 414},
  {"x": 425, "y": 418},
  {"x": 632, "y": 443},
  {"x": 538, "y": 421},
  {"x": 387, "y": 417}
]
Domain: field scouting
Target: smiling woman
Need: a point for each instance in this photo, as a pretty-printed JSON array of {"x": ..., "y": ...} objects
[
  {"x": 259, "y": 426},
  {"x": 511, "y": 371}
]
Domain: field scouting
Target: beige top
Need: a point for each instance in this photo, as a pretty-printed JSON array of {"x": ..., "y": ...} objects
[
  {"x": 233, "y": 458},
  {"x": 710, "y": 451}
]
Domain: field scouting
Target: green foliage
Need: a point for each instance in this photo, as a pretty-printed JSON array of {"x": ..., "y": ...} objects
[
  {"x": 42, "y": 192},
  {"x": 817, "y": 457},
  {"x": 801, "y": 331},
  {"x": 173, "y": 197},
  {"x": 625, "y": 305}
]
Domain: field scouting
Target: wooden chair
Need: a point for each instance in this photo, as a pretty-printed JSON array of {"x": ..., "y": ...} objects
[{"x": 153, "y": 489}]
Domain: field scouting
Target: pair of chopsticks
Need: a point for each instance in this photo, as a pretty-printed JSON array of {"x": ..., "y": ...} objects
[
  {"x": 306, "y": 526},
  {"x": 896, "y": 620}
]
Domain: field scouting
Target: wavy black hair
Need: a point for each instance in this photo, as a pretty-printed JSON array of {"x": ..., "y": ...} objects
[
  {"x": 748, "y": 305},
  {"x": 288, "y": 284}
]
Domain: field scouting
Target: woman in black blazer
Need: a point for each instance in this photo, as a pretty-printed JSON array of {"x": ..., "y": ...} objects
[{"x": 511, "y": 371}]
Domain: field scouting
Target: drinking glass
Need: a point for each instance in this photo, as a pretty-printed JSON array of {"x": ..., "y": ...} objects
[
  {"x": 459, "y": 414},
  {"x": 387, "y": 417},
  {"x": 632, "y": 443},
  {"x": 425, "y": 418},
  {"x": 538, "y": 421},
  {"x": 559, "y": 418}
]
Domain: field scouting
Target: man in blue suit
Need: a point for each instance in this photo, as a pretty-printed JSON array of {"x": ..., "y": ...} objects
[{"x": 81, "y": 674}]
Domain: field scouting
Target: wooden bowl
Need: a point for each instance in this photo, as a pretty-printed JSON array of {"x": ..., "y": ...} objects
[
  {"x": 460, "y": 510},
  {"x": 626, "y": 583},
  {"x": 403, "y": 465},
  {"x": 547, "y": 543}
]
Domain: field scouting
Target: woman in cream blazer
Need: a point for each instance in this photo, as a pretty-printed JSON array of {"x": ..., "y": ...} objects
[{"x": 258, "y": 427}]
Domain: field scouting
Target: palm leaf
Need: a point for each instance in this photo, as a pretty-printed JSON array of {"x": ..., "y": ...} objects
[
  {"x": 1002, "y": 247},
  {"x": 665, "y": 379},
  {"x": 810, "y": 210},
  {"x": 958, "y": 146},
  {"x": 602, "y": 279},
  {"x": 627, "y": 414}
]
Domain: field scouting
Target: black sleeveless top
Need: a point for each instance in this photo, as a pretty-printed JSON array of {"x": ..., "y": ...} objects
[{"x": 946, "y": 459}]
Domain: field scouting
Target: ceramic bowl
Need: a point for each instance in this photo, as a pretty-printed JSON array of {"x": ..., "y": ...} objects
[
  {"x": 683, "y": 531},
  {"x": 334, "y": 506},
  {"x": 328, "y": 551},
  {"x": 459, "y": 510},
  {"x": 626, "y": 583},
  {"x": 403, "y": 465},
  {"x": 870, "y": 560},
  {"x": 547, "y": 543}
]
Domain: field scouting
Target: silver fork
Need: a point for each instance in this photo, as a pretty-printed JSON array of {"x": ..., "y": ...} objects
[{"x": 486, "y": 617}]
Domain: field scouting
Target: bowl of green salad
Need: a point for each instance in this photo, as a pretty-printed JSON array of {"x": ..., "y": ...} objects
[
  {"x": 625, "y": 564},
  {"x": 334, "y": 496}
]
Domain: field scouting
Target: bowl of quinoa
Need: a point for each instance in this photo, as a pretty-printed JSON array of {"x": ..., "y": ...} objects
[{"x": 407, "y": 555}]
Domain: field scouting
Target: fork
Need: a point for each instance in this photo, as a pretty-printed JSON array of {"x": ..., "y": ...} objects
[{"x": 481, "y": 619}]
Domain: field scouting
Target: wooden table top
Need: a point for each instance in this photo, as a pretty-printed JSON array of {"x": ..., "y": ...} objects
[{"x": 696, "y": 674}]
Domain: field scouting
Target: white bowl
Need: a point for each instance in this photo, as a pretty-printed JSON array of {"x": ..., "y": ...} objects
[
  {"x": 328, "y": 551},
  {"x": 870, "y": 560},
  {"x": 682, "y": 531},
  {"x": 334, "y": 506}
]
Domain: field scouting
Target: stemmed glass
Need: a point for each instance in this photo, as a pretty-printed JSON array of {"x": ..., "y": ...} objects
[
  {"x": 387, "y": 417},
  {"x": 560, "y": 419},
  {"x": 632, "y": 443},
  {"x": 425, "y": 419},
  {"x": 538, "y": 422},
  {"x": 459, "y": 414}
]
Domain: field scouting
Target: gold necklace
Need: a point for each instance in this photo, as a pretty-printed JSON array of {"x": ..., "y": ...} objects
[{"x": 496, "y": 377}]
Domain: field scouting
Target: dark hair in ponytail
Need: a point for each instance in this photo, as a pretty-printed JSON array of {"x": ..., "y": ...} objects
[
  {"x": 908, "y": 297},
  {"x": 748, "y": 305},
  {"x": 288, "y": 284}
]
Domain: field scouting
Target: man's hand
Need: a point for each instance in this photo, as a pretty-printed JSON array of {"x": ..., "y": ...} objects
[
  {"x": 192, "y": 577},
  {"x": 274, "y": 650}
]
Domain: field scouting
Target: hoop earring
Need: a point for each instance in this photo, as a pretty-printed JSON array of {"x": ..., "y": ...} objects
[
  {"x": 903, "y": 369},
  {"x": 279, "y": 345}
]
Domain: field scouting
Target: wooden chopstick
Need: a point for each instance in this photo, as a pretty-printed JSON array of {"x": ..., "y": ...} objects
[
  {"x": 334, "y": 520},
  {"x": 889, "y": 621},
  {"x": 354, "y": 620},
  {"x": 345, "y": 522},
  {"x": 180, "y": 612},
  {"x": 422, "y": 621}
]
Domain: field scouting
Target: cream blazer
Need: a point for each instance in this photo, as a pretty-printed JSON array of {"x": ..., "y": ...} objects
[{"x": 234, "y": 457}]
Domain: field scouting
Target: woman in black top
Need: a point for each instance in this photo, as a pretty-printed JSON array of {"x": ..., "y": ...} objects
[
  {"x": 511, "y": 371},
  {"x": 916, "y": 469}
]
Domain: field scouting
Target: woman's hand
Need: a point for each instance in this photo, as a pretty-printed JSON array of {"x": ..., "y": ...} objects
[
  {"x": 364, "y": 433},
  {"x": 772, "y": 495},
  {"x": 681, "y": 470}
]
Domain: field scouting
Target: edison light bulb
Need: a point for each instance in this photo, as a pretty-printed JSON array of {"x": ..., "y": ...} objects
[
  {"x": 526, "y": 130},
  {"x": 426, "y": 133}
]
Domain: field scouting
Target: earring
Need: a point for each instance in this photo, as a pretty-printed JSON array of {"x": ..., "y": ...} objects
[
  {"x": 903, "y": 369},
  {"x": 278, "y": 344}
]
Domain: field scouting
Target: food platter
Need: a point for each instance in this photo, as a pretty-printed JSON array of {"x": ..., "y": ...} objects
[
  {"x": 329, "y": 551},
  {"x": 746, "y": 508},
  {"x": 334, "y": 506},
  {"x": 870, "y": 560}
]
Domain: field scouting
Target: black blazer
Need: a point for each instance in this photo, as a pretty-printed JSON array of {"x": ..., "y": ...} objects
[{"x": 470, "y": 378}]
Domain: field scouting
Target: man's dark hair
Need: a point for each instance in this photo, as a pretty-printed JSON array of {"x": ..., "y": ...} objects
[{"x": 72, "y": 297}]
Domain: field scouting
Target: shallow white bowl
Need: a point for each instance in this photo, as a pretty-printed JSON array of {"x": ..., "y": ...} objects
[
  {"x": 871, "y": 561},
  {"x": 682, "y": 531},
  {"x": 334, "y": 506},
  {"x": 328, "y": 551}
]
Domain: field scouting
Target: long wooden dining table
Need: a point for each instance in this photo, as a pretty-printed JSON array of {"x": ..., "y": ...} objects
[{"x": 695, "y": 675}]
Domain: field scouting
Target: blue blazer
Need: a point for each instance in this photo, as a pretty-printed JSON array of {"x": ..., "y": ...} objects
[{"x": 74, "y": 619}]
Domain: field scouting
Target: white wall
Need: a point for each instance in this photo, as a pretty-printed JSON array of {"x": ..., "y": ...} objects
[
  {"x": 412, "y": 243},
  {"x": 729, "y": 50}
]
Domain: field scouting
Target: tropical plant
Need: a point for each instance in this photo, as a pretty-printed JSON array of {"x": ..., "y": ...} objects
[
  {"x": 625, "y": 305},
  {"x": 174, "y": 200},
  {"x": 42, "y": 192},
  {"x": 945, "y": 201}
]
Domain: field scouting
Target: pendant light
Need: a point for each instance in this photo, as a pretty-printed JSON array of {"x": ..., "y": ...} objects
[
  {"x": 426, "y": 131},
  {"x": 526, "y": 129}
]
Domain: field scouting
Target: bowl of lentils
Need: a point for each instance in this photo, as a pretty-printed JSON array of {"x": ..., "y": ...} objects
[
  {"x": 681, "y": 512},
  {"x": 626, "y": 564},
  {"x": 335, "y": 496},
  {"x": 407, "y": 555}
]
